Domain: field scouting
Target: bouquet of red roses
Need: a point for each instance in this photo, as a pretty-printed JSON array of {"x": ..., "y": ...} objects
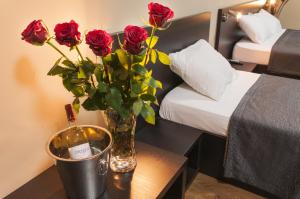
[{"x": 120, "y": 79}]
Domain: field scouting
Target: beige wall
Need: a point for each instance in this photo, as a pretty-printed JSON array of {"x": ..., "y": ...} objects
[
  {"x": 290, "y": 16},
  {"x": 31, "y": 102}
]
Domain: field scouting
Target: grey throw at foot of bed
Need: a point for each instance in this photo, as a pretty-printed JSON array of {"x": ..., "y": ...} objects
[
  {"x": 285, "y": 55},
  {"x": 264, "y": 137}
]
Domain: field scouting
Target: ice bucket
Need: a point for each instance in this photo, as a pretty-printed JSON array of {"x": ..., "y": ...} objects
[{"x": 84, "y": 178}]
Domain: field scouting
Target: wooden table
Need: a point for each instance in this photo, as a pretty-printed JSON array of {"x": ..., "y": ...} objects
[{"x": 159, "y": 174}]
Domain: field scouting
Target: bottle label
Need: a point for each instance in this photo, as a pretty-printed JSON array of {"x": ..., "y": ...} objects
[{"x": 80, "y": 151}]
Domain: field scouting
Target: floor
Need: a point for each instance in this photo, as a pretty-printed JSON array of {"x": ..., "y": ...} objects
[{"x": 205, "y": 187}]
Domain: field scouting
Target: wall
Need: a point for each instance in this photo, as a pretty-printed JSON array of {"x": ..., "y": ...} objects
[
  {"x": 31, "y": 102},
  {"x": 290, "y": 15}
]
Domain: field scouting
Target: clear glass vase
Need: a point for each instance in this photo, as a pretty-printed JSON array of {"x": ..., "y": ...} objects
[{"x": 123, "y": 130}]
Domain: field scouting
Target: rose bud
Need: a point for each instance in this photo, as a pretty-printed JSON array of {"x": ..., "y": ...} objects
[
  {"x": 100, "y": 42},
  {"x": 67, "y": 34},
  {"x": 134, "y": 37},
  {"x": 35, "y": 33},
  {"x": 159, "y": 15}
]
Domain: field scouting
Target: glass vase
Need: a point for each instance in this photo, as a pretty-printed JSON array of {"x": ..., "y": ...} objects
[{"x": 123, "y": 130}]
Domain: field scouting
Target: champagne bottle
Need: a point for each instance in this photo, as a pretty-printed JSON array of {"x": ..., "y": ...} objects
[{"x": 78, "y": 144}]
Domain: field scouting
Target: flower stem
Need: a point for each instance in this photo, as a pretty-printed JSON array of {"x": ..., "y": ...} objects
[
  {"x": 129, "y": 72},
  {"x": 53, "y": 46},
  {"x": 106, "y": 71},
  {"x": 93, "y": 82},
  {"x": 148, "y": 49},
  {"x": 77, "y": 49}
]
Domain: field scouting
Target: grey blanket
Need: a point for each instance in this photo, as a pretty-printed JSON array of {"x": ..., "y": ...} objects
[
  {"x": 263, "y": 148},
  {"x": 285, "y": 55}
]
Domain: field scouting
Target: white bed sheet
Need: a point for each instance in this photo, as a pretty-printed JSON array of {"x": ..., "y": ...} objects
[
  {"x": 186, "y": 106},
  {"x": 247, "y": 51}
]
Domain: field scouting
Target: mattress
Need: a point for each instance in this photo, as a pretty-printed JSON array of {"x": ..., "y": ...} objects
[
  {"x": 247, "y": 51},
  {"x": 186, "y": 106}
]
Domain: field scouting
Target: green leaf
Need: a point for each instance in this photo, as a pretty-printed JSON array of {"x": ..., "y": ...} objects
[
  {"x": 136, "y": 87},
  {"x": 153, "y": 56},
  {"x": 153, "y": 41},
  {"x": 154, "y": 83},
  {"x": 78, "y": 91},
  {"x": 75, "y": 80},
  {"x": 107, "y": 59},
  {"x": 99, "y": 74},
  {"x": 124, "y": 112},
  {"x": 163, "y": 58},
  {"x": 114, "y": 98},
  {"x": 81, "y": 74},
  {"x": 91, "y": 91},
  {"x": 159, "y": 84},
  {"x": 138, "y": 58},
  {"x": 67, "y": 82},
  {"x": 148, "y": 114},
  {"x": 72, "y": 48},
  {"x": 88, "y": 67},
  {"x": 121, "y": 73},
  {"x": 139, "y": 69},
  {"x": 151, "y": 91},
  {"x": 76, "y": 104},
  {"x": 53, "y": 69},
  {"x": 122, "y": 57},
  {"x": 137, "y": 107},
  {"x": 57, "y": 70},
  {"x": 148, "y": 97},
  {"x": 69, "y": 64},
  {"x": 102, "y": 87},
  {"x": 89, "y": 105}
]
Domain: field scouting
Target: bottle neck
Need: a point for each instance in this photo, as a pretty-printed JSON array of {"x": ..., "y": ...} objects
[{"x": 72, "y": 123}]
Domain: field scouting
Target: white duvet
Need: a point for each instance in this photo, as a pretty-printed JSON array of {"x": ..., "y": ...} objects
[{"x": 186, "y": 106}]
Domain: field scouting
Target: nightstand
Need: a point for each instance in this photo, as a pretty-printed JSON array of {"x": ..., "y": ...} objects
[{"x": 159, "y": 174}]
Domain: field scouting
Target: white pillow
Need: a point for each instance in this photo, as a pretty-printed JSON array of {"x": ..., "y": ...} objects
[
  {"x": 254, "y": 27},
  {"x": 270, "y": 21},
  {"x": 203, "y": 68}
]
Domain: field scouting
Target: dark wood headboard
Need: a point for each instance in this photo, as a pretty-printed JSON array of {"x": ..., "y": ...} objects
[
  {"x": 228, "y": 30},
  {"x": 182, "y": 33}
]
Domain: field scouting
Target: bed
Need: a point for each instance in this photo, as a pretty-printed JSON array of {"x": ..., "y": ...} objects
[
  {"x": 247, "y": 51},
  {"x": 215, "y": 124},
  {"x": 258, "y": 116},
  {"x": 278, "y": 54}
]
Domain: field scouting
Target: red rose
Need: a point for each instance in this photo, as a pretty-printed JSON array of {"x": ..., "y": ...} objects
[
  {"x": 67, "y": 34},
  {"x": 134, "y": 37},
  {"x": 99, "y": 41},
  {"x": 35, "y": 33},
  {"x": 159, "y": 14}
]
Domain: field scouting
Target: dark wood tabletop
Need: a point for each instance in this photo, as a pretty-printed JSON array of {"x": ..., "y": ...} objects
[
  {"x": 170, "y": 136},
  {"x": 159, "y": 174}
]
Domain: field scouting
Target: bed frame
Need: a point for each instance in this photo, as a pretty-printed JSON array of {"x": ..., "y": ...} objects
[{"x": 228, "y": 32}]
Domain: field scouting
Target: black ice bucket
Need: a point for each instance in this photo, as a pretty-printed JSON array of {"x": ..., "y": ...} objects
[{"x": 84, "y": 178}]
